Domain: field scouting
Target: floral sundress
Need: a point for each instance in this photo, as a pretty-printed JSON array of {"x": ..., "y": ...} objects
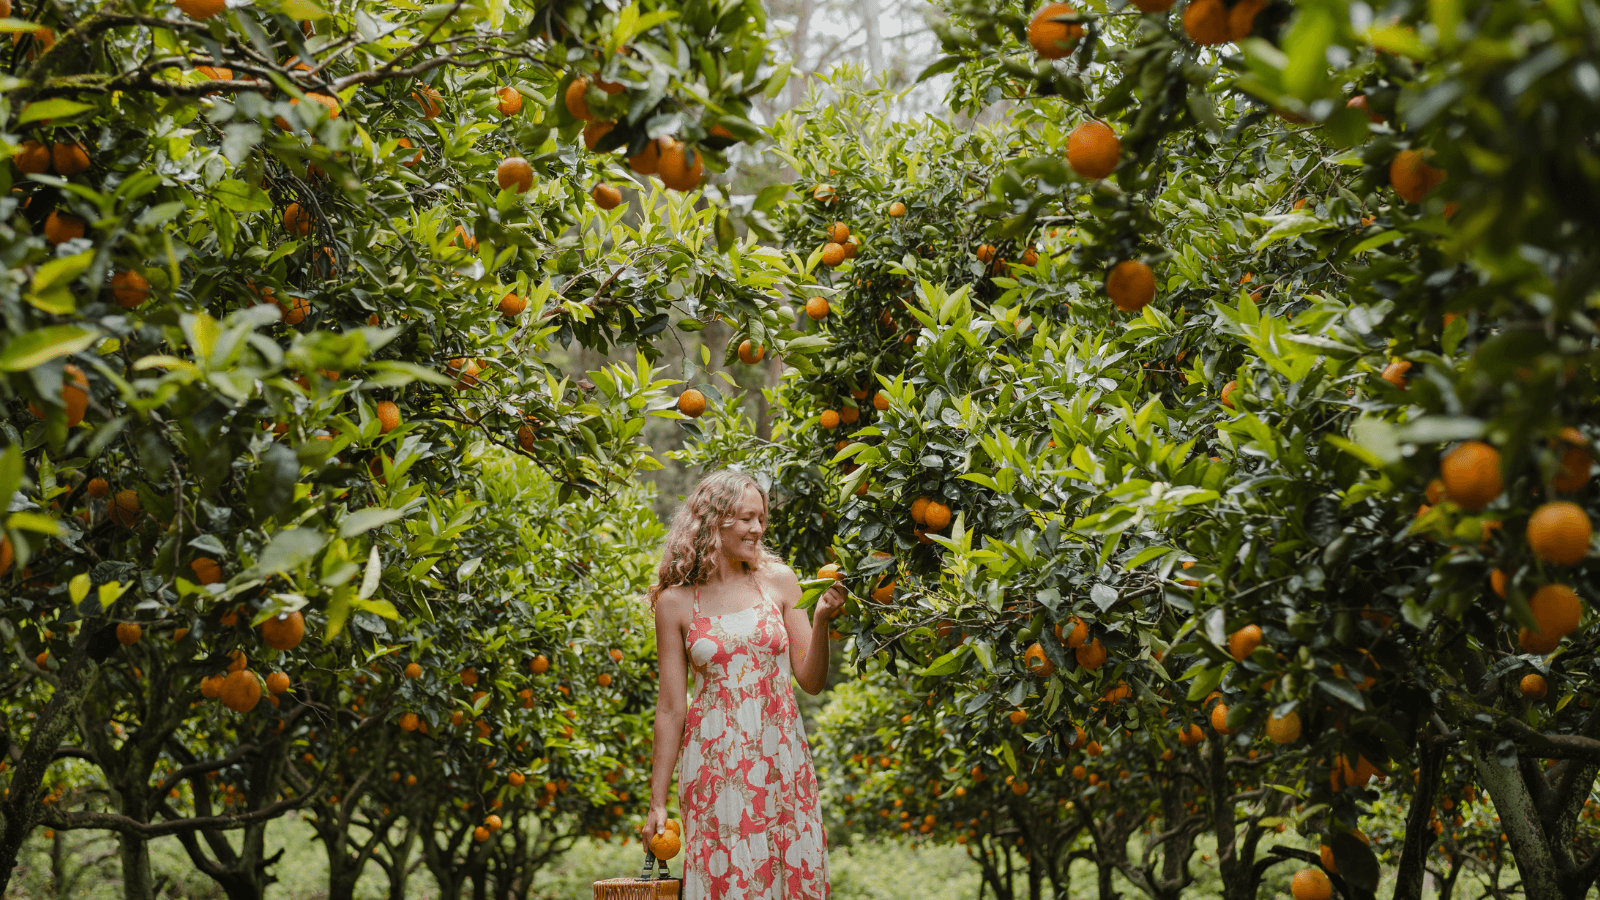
[{"x": 746, "y": 786}]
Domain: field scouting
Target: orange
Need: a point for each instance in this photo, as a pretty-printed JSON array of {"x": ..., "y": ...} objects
[
  {"x": 1242, "y": 18},
  {"x": 1471, "y": 475},
  {"x": 1019, "y": 716},
  {"x": 1052, "y": 39},
  {"x": 1533, "y": 686},
  {"x": 129, "y": 632},
  {"x": 74, "y": 396},
  {"x": 241, "y": 691},
  {"x": 1078, "y": 635},
  {"x": 514, "y": 174},
  {"x": 681, "y": 167},
  {"x": 1219, "y": 719},
  {"x": 1206, "y": 22},
  {"x": 211, "y": 686},
  {"x": 594, "y": 131},
  {"x": 429, "y": 99},
  {"x": 511, "y": 305},
  {"x": 510, "y": 101},
  {"x": 666, "y": 845},
  {"x": 60, "y": 227},
  {"x": 936, "y": 515},
  {"x": 1191, "y": 735},
  {"x": 539, "y": 665},
  {"x": 985, "y": 253},
  {"x": 1497, "y": 582},
  {"x": 481, "y": 833},
  {"x": 692, "y": 403},
  {"x": 1311, "y": 884},
  {"x": 838, "y": 232},
  {"x": 1395, "y": 373},
  {"x": 388, "y": 416},
  {"x": 919, "y": 510},
  {"x": 516, "y": 779},
  {"x": 295, "y": 311},
  {"x": 69, "y": 159},
  {"x": 1227, "y": 393},
  {"x": 606, "y": 196},
  {"x": 125, "y": 508},
  {"x": 296, "y": 220},
  {"x": 200, "y": 9},
  {"x": 1412, "y": 177},
  {"x": 406, "y": 143},
  {"x": 1036, "y": 662},
  {"x": 824, "y": 194},
  {"x": 277, "y": 682},
  {"x": 831, "y": 570},
  {"x": 880, "y": 402},
  {"x": 130, "y": 289},
  {"x": 206, "y": 570},
  {"x": 1285, "y": 730},
  {"x": 1244, "y": 642},
  {"x": 97, "y": 488},
  {"x": 648, "y": 160},
  {"x": 830, "y": 419},
  {"x": 576, "y": 101},
  {"x": 1091, "y": 655},
  {"x": 883, "y": 593},
  {"x": 409, "y": 721},
  {"x": 1559, "y": 533},
  {"x": 1093, "y": 149},
  {"x": 1131, "y": 285},
  {"x": 1556, "y": 611},
  {"x": 897, "y": 209},
  {"x": 284, "y": 631},
  {"x": 1435, "y": 492},
  {"x": 413, "y": 670},
  {"x": 1575, "y": 462},
  {"x": 1360, "y": 102},
  {"x": 33, "y": 158},
  {"x": 749, "y": 354},
  {"x": 1326, "y": 854},
  {"x": 832, "y": 254}
]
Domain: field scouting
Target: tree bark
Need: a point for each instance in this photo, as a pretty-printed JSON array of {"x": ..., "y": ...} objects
[
  {"x": 1520, "y": 820},
  {"x": 21, "y": 809},
  {"x": 1419, "y": 836}
]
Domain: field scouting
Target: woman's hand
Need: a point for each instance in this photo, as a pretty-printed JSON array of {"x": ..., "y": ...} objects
[
  {"x": 831, "y": 604},
  {"x": 654, "y": 823}
]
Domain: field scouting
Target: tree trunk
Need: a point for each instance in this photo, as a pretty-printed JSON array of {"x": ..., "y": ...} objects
[
  {"x": 20, "y": 810},
  {"x": 1107, "y": 891},
  {"x": 1419, "y": 837},
  {"x": 1520, "y": 821},
  {"x": 136, "y": 878}
]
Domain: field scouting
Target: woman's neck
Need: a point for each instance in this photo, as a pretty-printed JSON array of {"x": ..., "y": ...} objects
[{"x": 727, "y": 569}]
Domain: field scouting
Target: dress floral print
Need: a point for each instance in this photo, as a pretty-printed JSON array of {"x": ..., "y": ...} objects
[{"x": 746, "y": 786}]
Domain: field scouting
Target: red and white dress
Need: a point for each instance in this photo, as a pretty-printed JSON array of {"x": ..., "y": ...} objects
[{"x": 747, "y": 790}]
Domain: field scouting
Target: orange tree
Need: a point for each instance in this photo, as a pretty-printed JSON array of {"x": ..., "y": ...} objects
[
  {"x": 1254, "y": 353},
  {"x": 257, "y": 350}
]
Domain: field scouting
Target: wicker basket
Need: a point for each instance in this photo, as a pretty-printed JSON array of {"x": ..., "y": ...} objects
[{"x": 661, "y": 887}]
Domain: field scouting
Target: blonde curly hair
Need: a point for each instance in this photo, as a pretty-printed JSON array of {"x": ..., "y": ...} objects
[{"x": 694, "y": 541}]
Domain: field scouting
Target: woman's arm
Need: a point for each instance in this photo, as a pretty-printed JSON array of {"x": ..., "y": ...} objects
[
  {"x": 671, "y": 707},
  {"x": 808, "y": 638}
]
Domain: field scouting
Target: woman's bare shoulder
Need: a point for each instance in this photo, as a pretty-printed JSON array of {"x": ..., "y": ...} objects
[
  {"x": 674, "y": 603},
  {"x": 777, "y": 575}
]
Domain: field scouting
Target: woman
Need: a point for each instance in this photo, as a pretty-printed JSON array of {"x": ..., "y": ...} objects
[{"x": 724, "y": 604}]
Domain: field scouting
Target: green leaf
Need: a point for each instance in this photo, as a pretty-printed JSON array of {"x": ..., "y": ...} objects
[
  {"x": 364, "y": 520},
  {"x": 377, "y": 607},
  {"x": 52, "y": 290},
  {"x": 40, "y": 524},
  {"x": 769, "y": 196},
  {"x": 240, "y": 196},
  {"x": 38, "y": 347},
  {"x": 78, "y": 587},
  {"x": 56, "y": 108},
  {"x": 290, "y": 549},
  {"x": 10, "y": 473},
  {"x": 948, "y": 664}
]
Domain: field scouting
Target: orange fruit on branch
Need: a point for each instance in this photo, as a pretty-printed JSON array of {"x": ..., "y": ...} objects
[
  {"x": 817, "y": 308},
  {"x": 1131, "y": 285},
  {"x": 1244, "y": 642},
  {"x": 1411, "y": 175},
  {"x": 60, "y": 227},
  {"x": 129, "y": 632},
  {"x": 240, "y": 691},
  {"x": 1285, "y": 730},
  {"x": 284, "y": 631},
  {"x": 1471, "y": 475},
  {"x": 1559, "y": 533},
  {"x": 200, "y": 9},
  {"x": 1053, "y": 39},
  {"x": 130, "y": 289},
  {"x": 278, "y": 682},
  {"x": 749, "y": 354},
  {"x": 510, "y": 101},
  {"x": 1311, "y": 884},
  {"x": 692, "y": 403},
  {"x": 514, "y": 174},
  {"x": 606, "y": 196},
  {"x": 1036, "y": 662},
  {"x": 69, "y": 159},
  {"x": 33, "y": 158},
  {"x": 1533, "y": 686},
  {"x": 576, "y": 101},
  {"x": 1206, "y": 22},
  {"x": 1093, "y": 149}
]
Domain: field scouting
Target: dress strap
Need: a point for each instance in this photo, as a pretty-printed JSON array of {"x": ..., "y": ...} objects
[{"x": 697, "y": 601}]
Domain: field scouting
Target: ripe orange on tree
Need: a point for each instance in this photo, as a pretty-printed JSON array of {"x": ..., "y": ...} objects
[
  {"x": 1206, "y": 22},
  {"x": 1395, "y": 373},
  {"x": 1191, "y": 735},
  {"x": 284, "y": 631},
  {"x": 1226, "y": 395},
  {"x": 833, "y": 254},
  {"x": 69, "y": 158},
  {"x": 681, "y": 167},
  {"x": 514, "y": 174},
  {"x": 1018, "y": 716},
  {"x": 1471, "y": 475},
  {"x": 539, "y": 665},
  {"x": 692, "y": 403},
  {"x": 1077, "y": 636},
  {"x": 1091, "y": 655},
  {"x": 405, "y": 142},
  {"x": 576, "y": 101},
  {"x": 936, "y": 515},
  {"x": 74, "y": 396},
  {"x": 1219, "y": 719},
  {"x": 241, "y": 691},
  {"x": 829, "y": 419},
  {"x": 838, "y": 233},
  {"x": 511, "y": 305},
  {"x": 130, "y": 289},
  {"x": 880, "y": 401},
  {"x": 97, "y": 488},
  {"x": 897, "y": 209},
  {"x": 388, "y": 416},
  {"x": 1244, "y": 642},
  {"x": 606, "y": 196},
  {"x": 1093, "y": 149},
  {"x": 60, "y": 227},
  {"x": 1533, "y": 686},
  {"x": 1311, "y": 884},
  {"x": 594, "y": 131},
  {"x": 1559, "y": 533},
  {"x": 200, "y": 9},
  {"x": 1131, "y": 285},
  {"x": 1411, "y": 175},
  {"x": 129, "y": 632},
  {"x": 510, "y": 101},
  {"x": 1052, "y": 39},
  {"x": 646, "y": 161},
  {"x": 1242, "y": 18},
  {"x": 1576, "y": 462},
  {"x": 125, "y": 508},
  {"x": 278, "y": 682},
  {"x": 33, "y": 158},
  {"x": 1556, "y": 611},
  {"x": 1285, "y": 729},
  {"x": 750, "y": 354},
  {"x": 1036, "y": 662},
  {"x": 824, "y": 194}
]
